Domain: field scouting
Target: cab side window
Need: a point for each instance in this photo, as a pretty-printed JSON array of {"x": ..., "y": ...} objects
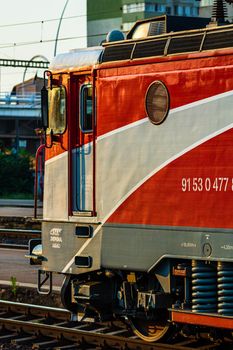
[{"x": 86, "y": 108}]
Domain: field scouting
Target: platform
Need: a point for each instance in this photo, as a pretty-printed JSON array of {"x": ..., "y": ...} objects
[{"x": 19, "y": 208}]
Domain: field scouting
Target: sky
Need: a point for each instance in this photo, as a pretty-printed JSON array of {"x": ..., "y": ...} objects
[{"x": 29, "y": 28}]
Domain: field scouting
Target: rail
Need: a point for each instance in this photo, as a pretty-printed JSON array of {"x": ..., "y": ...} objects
[
  {"x": 53, "y": 328},
  {"x": 17, "y": 238},
  {"x": 19, "y": 233},
  {"x": 13, "y": 246}
]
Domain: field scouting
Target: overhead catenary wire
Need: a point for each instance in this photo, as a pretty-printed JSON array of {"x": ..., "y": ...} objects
[
  {"x": 36, "y": 42},
  {"x": 44, "y": 21},
  {"x": 57, "y": 19},
  {"x": 42, "y": 25}
]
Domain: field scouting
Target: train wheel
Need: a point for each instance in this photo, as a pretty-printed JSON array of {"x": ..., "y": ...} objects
[
  {"x": 66, "y": 295},
  {"x": 150, "y": 331}
]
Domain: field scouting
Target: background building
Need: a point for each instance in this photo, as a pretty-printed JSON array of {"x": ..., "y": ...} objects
[
  {"x": 20, "y": 116},
  {"x": 102, "y": 16},
  {"x": 206, "y": 7},
  {"x": 105, "y": 15}
]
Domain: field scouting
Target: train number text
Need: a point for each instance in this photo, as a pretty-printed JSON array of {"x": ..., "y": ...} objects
[{"x": 207, "y": 184}]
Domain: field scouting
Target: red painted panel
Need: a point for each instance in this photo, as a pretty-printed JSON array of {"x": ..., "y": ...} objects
[
  {"x": 121, "y": 91},
  {"x": 195, "y": 190},
  {"x": 202, "y": 320},
  {"x": 59, "y": 145}
]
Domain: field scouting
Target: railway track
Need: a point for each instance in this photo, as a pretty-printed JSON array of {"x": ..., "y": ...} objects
[
  {"x": 14, "y": 246},
  {"x": 13, "y": 238},
  {"x": 19, "y": 233},
  {"x": 50, "y": 328}
]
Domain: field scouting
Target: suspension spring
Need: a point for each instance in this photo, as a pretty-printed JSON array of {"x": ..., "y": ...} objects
[
  {"x": 225, "y": 288},
  {"x": 204, "y": 287}
]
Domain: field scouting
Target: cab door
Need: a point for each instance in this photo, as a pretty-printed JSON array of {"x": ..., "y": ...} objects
[{"x": 83, "y": 152}]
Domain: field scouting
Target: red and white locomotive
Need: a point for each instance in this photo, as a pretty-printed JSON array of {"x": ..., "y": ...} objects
[{"x": 138, "y": 187}]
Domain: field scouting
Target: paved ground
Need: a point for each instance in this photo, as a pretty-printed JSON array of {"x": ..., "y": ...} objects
[
  {"x": 26, "y": 203},
  {"x": 19, "y": 207},
  {"x": 19, "y": 211},
  {"x": 14, "y": 264}
]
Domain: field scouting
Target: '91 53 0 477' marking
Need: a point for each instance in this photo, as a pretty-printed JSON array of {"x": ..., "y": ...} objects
[{"x": 206, "y": 184}]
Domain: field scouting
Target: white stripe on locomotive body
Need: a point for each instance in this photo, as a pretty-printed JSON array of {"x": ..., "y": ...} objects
[
  {"x": 82, "y": 249},
  {"x": 171, "y": 112},
  {"x": 130, "y": 155},
  {"x": 55, "y": 201}
]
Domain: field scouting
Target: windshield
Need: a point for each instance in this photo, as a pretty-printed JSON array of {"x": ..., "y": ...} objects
[{"x": 57, "y": 110}]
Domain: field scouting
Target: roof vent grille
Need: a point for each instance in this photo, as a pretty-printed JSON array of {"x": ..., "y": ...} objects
[{"x": 157, "y": 28}]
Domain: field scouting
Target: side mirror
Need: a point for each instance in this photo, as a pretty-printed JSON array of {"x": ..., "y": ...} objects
[{"x": 44, "y": 107}]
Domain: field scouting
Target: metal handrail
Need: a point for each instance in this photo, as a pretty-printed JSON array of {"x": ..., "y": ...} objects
[{"x": 38, "y": 157}]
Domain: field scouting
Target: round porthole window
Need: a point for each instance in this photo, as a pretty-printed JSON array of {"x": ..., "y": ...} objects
[{"x": 157, "y": 102}]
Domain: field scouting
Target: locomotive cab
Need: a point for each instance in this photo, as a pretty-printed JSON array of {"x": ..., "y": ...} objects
[{"x": 138, "y": 179}]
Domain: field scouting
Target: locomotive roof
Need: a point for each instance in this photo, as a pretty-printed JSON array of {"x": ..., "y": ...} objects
[
  {"x": 76, "y": 59},
  {"x": 187, "y": 41}
]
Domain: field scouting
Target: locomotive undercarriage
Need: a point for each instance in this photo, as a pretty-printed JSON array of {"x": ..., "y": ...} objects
[
  {"x": 190, "y": 287},
  {"x": 197, "y": 288},
  {"x": 108, "y": 295},
  {"x": 176, "y": 294}
]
